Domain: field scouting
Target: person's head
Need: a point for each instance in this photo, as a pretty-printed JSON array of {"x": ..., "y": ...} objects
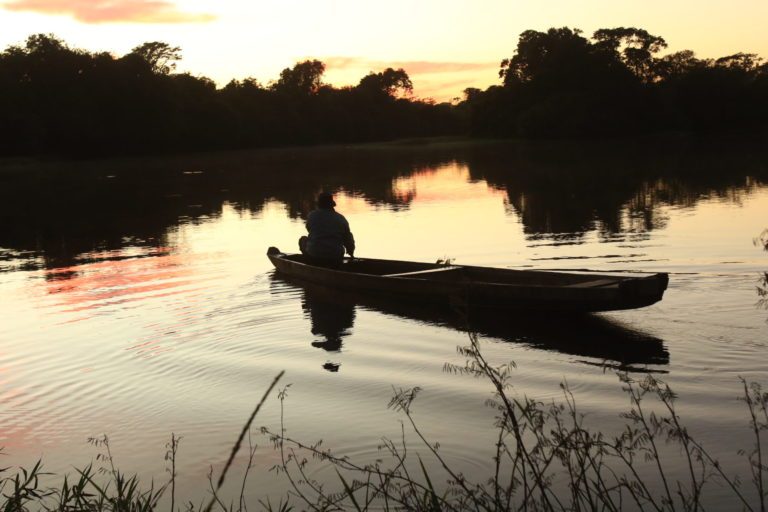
[{"x": 325, "y": 200}]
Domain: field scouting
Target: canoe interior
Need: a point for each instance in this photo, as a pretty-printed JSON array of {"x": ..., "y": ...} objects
[{"x": 442, "y": 272}]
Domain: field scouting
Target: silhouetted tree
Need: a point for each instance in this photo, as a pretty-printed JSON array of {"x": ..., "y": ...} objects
[
  {"x": 748, "y": 62},
  {"x": 304, "y": 78},
  {"x": 559, "y": 83},
  {"x": 161, "y": 57},
  {"x": 636, "y": 48},
  {"x": 546, "y": 57},
  {"x": 388, "y": 82},
  {"x": 55, "y": 99},
  {"x": 677, "y": 64}
]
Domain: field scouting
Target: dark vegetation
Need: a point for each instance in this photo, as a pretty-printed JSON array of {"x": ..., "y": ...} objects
[
  {"x": 64, "y": 101},
  {"x": 546, "y": 458},
  {"x": 58, "y": 100},
  {"x": 762, "y": 287},
  {"x": 560, "y": 83}
]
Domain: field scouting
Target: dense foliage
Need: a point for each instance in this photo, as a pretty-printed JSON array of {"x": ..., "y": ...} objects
[
  {"x": 55, "y": 99},
  {"x": 559, "y": 83}
]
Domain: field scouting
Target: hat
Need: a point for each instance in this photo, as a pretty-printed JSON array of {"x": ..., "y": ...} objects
[{"x": 325, "y": 200}]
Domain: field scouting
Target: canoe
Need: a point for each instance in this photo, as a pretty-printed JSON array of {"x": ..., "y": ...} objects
[{"x": 479, "y": 287}]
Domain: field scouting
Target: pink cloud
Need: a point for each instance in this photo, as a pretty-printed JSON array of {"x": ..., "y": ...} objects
[
  {"x": 445, "y": 90},
  {"x": 438, "y": 80},
  {"x": 416, "y": 67},
  {"x": 425, "y": 67},
  {"x": 106, "y": 11}
]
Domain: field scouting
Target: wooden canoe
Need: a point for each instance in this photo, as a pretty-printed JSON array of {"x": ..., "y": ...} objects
[{"x": 479, "y": 287}]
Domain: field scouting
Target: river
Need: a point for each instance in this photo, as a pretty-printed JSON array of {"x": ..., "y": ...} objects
[{"x": 137, "y": 301}]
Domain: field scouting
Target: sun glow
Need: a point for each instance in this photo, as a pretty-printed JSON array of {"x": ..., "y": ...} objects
[
  {"x": 449, "y": 183},
  {"x": 445, "y": 46}
]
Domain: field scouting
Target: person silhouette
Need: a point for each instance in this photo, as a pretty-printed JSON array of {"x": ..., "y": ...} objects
[{"x": 328, "y": 233}]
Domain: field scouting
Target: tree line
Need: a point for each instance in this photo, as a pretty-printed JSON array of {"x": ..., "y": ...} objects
[
  {"x": 60, "y": 100},
  {"x": 55, "y": 99},
  {"x": 559, "y": 83}
]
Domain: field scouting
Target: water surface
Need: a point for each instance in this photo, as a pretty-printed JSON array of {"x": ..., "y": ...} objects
[{"x": 137, "y": 299}]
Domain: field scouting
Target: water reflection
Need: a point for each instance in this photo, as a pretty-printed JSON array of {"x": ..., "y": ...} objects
[
  {"x": 602, "y": 341},
  {"x": 166, "y": 266},
  {"x": 54, "y": 212},
  {"x": 117, "y": 277},
  {"x": 571, "y": 188},
  {"x": 331, "y": 322}
]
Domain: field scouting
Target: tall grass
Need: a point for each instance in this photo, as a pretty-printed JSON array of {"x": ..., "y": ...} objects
[
  {"x": 762, "y": 286},
  {"x": 545, "y": 459},
  {"x": 106, "y": 488}
]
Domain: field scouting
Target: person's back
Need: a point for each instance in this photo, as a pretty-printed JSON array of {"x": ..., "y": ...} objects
[{"x": 329, "y": 233}]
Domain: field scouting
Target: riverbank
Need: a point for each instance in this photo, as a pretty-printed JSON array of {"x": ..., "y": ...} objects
[
  {"x": 671, "y": 142},
  {"x": 547, "y": 457}
]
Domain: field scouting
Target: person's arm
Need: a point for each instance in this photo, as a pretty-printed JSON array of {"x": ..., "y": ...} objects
[
  {"x": 349, "y": 243},
  {"x": 349, "y": 240}
]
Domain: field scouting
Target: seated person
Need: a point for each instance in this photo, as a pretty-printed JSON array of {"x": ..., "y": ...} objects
[{"x": 329, "y": 233}]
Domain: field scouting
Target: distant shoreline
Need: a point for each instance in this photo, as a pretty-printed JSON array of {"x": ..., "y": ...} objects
[{"x": 405, "y": 145}]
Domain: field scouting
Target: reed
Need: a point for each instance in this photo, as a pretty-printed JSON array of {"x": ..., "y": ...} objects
[
  {"x": 762, "y": 285},
  {"x": 23, "y": 490},
  {"x": 545, "y": 458}
]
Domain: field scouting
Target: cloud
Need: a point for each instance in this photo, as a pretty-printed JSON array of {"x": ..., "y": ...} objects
[
  {"x": 415, "y": 67},
  {"x": 111, "y": 11},
  {"x": 444, "y": 90},
  {"x": 439, "y": 80}
]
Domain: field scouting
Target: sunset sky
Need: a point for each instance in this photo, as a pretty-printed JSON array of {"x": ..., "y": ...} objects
[{"x": 444, "y": 45}]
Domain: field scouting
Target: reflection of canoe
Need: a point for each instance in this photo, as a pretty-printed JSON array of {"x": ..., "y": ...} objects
[
  {"x": 601, "y": 340},
  {"x": 479, "y": 287}
]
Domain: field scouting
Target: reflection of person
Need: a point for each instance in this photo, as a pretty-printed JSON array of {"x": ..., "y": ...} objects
[
  {"x": 329, "y": 233},
  {"x": 331, "y": 320}
]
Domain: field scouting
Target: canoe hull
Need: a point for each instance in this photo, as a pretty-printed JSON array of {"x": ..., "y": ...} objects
[{"x": 479, "y": 287}]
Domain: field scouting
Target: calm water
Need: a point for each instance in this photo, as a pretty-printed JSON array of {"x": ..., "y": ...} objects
[{"x": 136, "y": 299}]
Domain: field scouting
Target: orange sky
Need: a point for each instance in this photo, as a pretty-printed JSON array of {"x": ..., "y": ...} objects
[{"x": 444, "y": 45}]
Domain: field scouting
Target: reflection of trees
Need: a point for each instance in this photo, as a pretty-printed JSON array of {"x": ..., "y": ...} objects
[
  {"x": 62, "y": 210},
  {"x": 559, "y": 190},
  {"x": 566, "y": 189},
  {"x": 61, "y": 215}
]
